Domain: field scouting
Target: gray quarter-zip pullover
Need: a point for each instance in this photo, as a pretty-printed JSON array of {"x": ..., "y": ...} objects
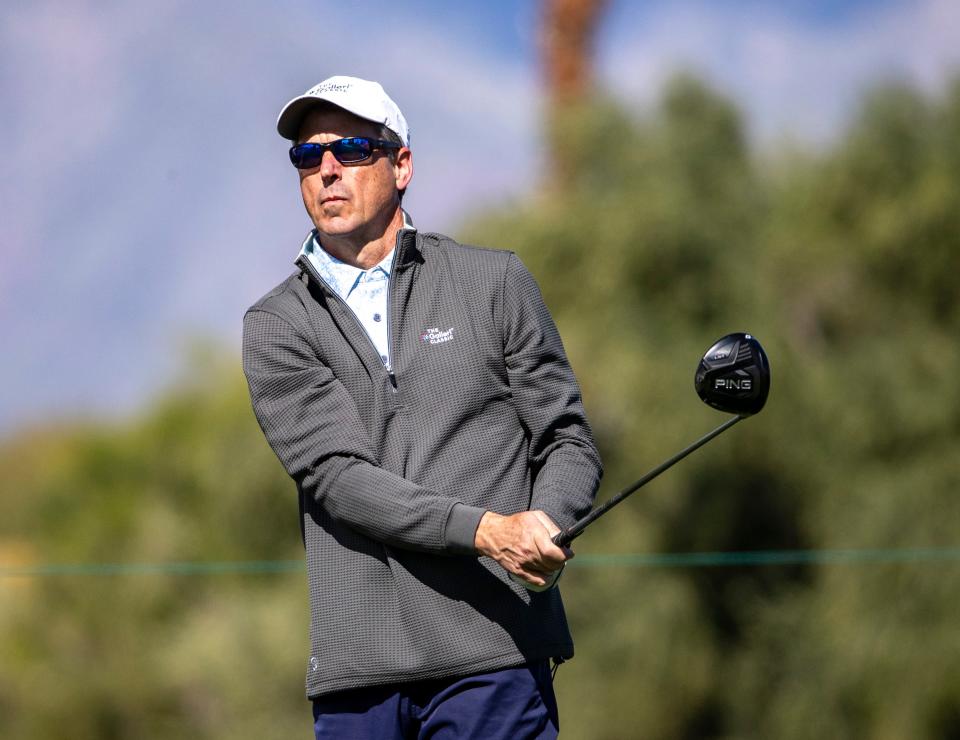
[{"x": 480, "y": 411}]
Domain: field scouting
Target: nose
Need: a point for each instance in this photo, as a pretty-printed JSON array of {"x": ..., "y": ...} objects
[{"x": 330, "y": 168}]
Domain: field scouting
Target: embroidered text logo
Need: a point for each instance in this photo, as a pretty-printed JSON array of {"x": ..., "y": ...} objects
[{"x": 437, "y": 335}]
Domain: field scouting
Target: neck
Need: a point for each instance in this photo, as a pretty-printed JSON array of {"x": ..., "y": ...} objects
[{"x": 364, "y": 250}]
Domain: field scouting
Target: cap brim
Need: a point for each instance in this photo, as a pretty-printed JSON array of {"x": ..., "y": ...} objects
[{"x": 290, "y": 118}]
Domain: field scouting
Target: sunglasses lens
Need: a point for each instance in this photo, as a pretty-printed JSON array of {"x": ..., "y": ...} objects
[
  {"x": 306, "y": 156},
  {"x": 351, "y": 150}
]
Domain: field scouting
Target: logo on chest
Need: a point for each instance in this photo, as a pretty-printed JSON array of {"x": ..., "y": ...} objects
[{"x": 437, "y": 335}]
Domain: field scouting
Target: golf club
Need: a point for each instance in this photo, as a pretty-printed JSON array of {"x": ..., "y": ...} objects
[{"x": 733, "y": 376}]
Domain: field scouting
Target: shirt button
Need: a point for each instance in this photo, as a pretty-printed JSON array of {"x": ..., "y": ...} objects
[
  {"x": 376, "y": 317},
  {"x": 383, "y": 357}
]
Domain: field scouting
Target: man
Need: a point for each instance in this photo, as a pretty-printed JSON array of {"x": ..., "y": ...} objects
[{"x": 418, "y": 393}]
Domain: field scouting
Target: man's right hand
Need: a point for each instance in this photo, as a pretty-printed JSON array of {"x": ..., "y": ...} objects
[{"x": 522, "y": 544}]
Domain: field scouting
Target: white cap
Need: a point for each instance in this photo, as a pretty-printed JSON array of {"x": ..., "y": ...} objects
[{"x": 363, "y": 98}]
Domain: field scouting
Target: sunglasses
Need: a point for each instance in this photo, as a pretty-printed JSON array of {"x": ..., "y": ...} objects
[{"x": 346, "y": 151}]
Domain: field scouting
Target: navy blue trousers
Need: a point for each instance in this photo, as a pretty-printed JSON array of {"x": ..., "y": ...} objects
[{"x": 512, "y": 704}]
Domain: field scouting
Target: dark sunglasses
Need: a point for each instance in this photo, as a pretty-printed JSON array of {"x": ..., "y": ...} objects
[{"x": 346, "y": 151}]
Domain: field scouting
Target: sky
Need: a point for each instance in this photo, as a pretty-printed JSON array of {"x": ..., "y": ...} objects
[{"x": 147, "y": 199}]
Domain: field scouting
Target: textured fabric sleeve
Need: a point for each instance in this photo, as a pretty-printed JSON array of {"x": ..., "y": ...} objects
[
  {"x": 564, "y": 458},
  {"x": 313, "y": 426}
]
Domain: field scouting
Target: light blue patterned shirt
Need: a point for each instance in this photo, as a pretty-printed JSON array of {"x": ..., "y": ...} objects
[{"x": 365, "y": 291}]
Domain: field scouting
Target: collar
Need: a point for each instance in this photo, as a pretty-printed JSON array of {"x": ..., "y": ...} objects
[{"x": 405, "y": 248}]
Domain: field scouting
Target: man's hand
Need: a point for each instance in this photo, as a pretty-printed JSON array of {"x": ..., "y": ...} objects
[{"x": 522, "y": 544}]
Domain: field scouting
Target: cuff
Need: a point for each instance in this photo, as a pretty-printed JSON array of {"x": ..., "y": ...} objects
[{"x": 461, "y": 530}]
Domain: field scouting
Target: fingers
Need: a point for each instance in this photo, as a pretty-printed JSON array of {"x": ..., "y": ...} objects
[
  {"x": 522, "y": 544},
  {"x": 537, "y": 579},
  {"x": 553, "y": 530},
  {"x": 545, "y": 556},
  {"x": 550, "y": 582},
  {"x": 547, "y": 522}
]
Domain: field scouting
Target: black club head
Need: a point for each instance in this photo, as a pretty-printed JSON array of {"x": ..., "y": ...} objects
[{"x": 734, "y": 375}]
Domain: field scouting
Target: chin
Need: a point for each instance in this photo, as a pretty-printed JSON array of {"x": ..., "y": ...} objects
[{"x": 335, "y": 226}]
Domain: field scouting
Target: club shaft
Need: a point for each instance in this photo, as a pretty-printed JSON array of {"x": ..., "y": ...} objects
[{"x": 566, "y": 536}]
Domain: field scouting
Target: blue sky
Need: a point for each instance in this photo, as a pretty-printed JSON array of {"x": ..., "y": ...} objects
[{"x": 146, "y": 196}]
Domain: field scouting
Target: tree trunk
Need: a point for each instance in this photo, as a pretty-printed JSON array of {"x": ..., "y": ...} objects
[{"x": 566, "y": 47}]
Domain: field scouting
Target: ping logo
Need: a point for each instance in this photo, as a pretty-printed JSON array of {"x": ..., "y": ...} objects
[
  {"x": 436, "y": 335},
  {"x": 733, "y": 384}
]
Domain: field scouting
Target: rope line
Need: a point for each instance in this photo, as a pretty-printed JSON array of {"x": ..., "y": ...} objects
[{"x": 641, "y": 560}]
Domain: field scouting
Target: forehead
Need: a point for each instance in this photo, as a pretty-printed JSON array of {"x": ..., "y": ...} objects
[{"x": 336, "y": 122}]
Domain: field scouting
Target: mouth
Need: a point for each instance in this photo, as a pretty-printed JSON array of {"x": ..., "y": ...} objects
[{"x": 332, "y": 199}]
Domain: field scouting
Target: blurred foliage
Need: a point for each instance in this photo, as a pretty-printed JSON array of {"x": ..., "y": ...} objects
[
  {"x": 152, "y": 655},
  {"x": 670, "y": 231}
]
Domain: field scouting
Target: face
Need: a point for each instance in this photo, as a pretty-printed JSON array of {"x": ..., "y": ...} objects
[{"x": 356, "y": 201}]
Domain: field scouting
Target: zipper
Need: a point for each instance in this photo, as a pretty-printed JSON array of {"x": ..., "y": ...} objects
[
  {"x": 393, "y": 271},
  {"x": 304, "y": 262}
]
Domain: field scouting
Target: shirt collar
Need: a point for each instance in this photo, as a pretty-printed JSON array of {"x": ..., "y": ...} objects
[{"x": 338, "y": 274}]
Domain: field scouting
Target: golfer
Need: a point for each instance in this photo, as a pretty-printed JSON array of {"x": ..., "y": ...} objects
[{"x": 417, "y": 392}]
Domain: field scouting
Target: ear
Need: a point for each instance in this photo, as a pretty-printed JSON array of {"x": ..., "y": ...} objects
[{"x": 403, "y": 168}]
